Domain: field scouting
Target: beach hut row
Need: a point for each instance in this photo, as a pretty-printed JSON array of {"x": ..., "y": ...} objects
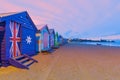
[
  {"x": 20, "y": 39},
  {"x": 47, "y": 39}
]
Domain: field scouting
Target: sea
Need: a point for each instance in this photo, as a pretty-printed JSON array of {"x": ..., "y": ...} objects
[{"x": 116, "y": 43}]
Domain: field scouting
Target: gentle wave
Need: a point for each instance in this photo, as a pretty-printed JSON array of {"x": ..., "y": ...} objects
[{"x": 117, "y": 44}]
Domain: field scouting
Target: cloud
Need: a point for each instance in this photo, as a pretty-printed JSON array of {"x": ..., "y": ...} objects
[
  {"x": 8, "y": 7},
  {"x": 78, "y": 16}
]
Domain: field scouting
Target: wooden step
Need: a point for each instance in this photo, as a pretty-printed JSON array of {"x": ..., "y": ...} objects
[
  {"x": 31, "y": 58},
  {"x": 23, "y": 61},
  {"x": 19, "y": 57},
  {"x": 28, "y": 63}
]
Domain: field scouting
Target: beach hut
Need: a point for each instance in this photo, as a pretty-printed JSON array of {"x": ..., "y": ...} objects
[
  {"x": 38, "y": 41},
  {"x": 44, "y": 31},
  {"x": 17, "y": 39},
  {"x": 52, "y": 38},
  {"x": 56, "y": 41},
  {"x": 60, "y": 40}
]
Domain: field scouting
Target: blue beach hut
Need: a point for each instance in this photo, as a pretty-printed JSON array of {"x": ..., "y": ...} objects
[
  {"x": 52, "y": 38},
  {"x": 44, "y": 32},
  {"x": 17, "y": 39},
  {"x": 56, "y": 41},
  {"x": 60, "y": 40}
]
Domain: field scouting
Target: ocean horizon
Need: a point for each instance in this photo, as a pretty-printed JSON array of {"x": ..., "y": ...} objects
[{"x": 116, "y": 43}]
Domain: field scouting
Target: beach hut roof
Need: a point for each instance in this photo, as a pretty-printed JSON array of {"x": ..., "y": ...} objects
[
  {"x": 60, "y": 36},
  {"x": 38, "y": 31},
  {"x": 51, "y": 31},
  {"x": 5, "y": 16},
  {"x": 42, "y": 26}
]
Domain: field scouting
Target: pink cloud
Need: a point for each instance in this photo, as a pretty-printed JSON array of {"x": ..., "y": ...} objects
[
  {"x": 77, "y": 15},
  {"x": 8, "y": 7},
  {"x": 43, "y": 6}
]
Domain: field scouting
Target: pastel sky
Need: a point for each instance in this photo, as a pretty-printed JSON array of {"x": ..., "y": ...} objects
[{"x": 71, "y": 18}]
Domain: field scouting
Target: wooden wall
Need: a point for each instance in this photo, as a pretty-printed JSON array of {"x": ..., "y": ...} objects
[{"x": 2, "y": 43}]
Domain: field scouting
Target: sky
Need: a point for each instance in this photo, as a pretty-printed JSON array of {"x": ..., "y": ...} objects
[{"x": 71, "y": 18}]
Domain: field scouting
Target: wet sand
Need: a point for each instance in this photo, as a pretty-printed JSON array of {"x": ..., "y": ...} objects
[{"x": 71, "y": 62}]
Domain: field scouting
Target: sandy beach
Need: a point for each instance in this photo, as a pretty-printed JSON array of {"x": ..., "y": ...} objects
[{"x": 71, "y": 62}]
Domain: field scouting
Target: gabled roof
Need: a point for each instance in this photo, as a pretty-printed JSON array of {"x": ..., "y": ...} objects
[
  {"x": 60, "y": 36},
  {"x": 38, "y": 31},
  {"x": 4, "y": 15},
  {"x": 51, "y": 31},
  {"x": 42, "y": 26}
]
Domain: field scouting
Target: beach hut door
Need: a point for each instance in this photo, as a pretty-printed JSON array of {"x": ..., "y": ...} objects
[
  {"x": 2, "y": 42},
  {"x": 45, "y": 40},
  {"x": 15, "y": 39}
]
